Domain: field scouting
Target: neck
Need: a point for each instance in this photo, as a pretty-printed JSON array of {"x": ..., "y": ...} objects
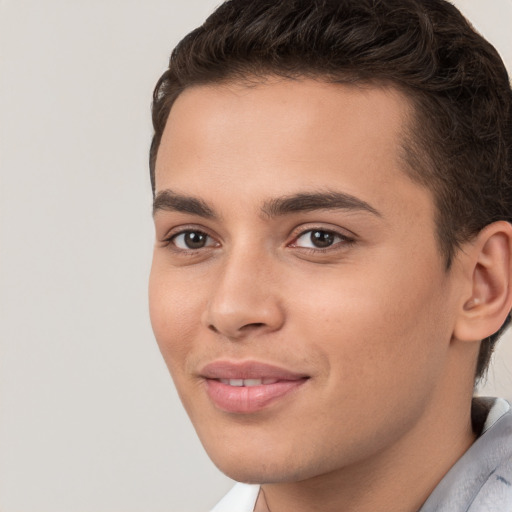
[{"x": 399, "y": 479}]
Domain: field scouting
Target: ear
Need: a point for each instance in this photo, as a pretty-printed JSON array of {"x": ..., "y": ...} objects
[{"x": 488, "y": 298}]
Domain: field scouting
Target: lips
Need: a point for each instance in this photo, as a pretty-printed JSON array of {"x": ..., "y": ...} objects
[
  {"x": 249, "y": 386},
  {"x": 248, "y": 382}
]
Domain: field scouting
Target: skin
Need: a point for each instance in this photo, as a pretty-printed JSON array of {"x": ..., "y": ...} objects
[{"x": 371, "y": 319}]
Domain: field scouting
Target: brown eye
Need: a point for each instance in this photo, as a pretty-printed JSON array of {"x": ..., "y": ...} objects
[
  {"x": 190, "y": 240},
  {"x": 320, "y": 239}
]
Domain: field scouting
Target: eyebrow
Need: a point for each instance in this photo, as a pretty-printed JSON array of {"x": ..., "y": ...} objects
[
  {"x": 167, "y": 200},
  {"x": 304, "y": 202},
  {"x": 170, "y": 201}
]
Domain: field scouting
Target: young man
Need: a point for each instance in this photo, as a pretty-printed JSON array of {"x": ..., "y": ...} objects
[{"x": 332, "y": 183}]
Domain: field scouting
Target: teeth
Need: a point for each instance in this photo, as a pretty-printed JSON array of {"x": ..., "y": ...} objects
[
  {"x": 247, "y": 382},
  {"x": 252, "y": 382}
]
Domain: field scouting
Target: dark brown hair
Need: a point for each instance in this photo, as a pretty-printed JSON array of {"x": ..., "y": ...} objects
[{"x": 459, "y": 144}]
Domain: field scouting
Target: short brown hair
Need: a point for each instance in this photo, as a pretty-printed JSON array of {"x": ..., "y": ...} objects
[{"x": 460, "y": 143}]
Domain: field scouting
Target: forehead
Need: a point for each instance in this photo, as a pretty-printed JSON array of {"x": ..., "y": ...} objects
[
  {"x": 282, "y": 137},
  {"x": 287, "y": 107}
]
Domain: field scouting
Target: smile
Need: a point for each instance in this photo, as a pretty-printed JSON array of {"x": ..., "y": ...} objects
[
  {"x": 244, "y": 388},
  {"x": 247, "y": 382}
]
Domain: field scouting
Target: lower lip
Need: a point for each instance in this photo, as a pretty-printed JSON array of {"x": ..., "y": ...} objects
[{"x": 244, "y": 400}]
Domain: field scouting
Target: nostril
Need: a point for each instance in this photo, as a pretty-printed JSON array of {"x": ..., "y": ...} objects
[
  {"x": 242, "y": 329},
  {"x": 254, "y": 325}
]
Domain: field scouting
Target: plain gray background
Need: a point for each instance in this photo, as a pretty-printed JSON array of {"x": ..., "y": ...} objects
[{"x": 89, "y": 420}]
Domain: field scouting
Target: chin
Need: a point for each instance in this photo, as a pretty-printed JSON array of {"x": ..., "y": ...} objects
[
  {"x": 259, "y": 472},
  {"x": 263, "y": 465}
]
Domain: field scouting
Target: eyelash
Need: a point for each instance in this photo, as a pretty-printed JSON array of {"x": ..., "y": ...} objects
[
  {"x": 343, "y": 240},
  {"x": 169, "y": 240}
]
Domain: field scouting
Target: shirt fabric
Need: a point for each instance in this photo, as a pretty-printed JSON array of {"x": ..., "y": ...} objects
[{"x": 480, "y": 481}]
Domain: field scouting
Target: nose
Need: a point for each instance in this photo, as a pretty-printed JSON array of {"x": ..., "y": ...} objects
[{"x": 244, "y": 301}]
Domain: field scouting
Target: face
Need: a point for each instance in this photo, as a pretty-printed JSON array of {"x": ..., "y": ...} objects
[{"x": 297, "y": 293}]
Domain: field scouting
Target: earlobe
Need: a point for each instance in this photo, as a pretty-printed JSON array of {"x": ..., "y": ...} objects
[{"x": 489, "y": 299}]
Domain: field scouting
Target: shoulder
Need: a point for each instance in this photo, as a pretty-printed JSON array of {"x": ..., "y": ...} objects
[
  {"x": 241, "y": 498},
  {"x": 481, "y": 481},
  {"x": 495, "y": 494}
]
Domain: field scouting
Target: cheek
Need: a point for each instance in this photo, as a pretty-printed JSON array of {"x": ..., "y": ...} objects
[
  {"x": 174, "y": 316},
  {"x": 376, "y": 325}
]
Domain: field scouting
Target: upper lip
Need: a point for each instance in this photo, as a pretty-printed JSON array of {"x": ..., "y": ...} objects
[{"x": 248, "y": 370}]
